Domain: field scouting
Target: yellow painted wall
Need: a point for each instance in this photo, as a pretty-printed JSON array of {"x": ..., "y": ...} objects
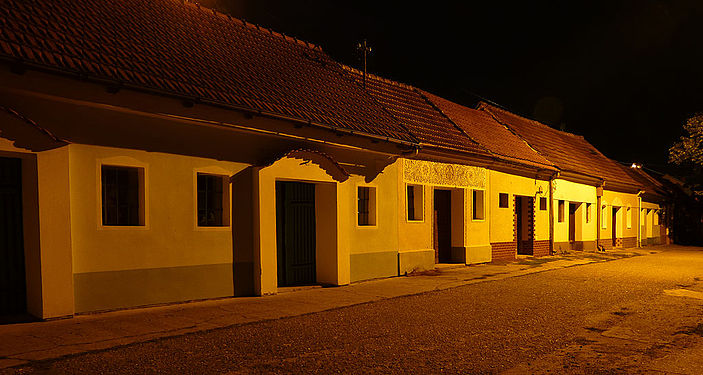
[
  {"x": 650, "y": 230},
  {"x": 383, "y": 236},
  {"x": 574, "y": 192},
  {"x": 55, "y": 223},
  {"x": 501, "y": 219},
  {"x": 622, "y": 201},
  {"x": 415, "y": 238},
  {"x": 333, "y": 268},
  {"x": 170, "y": 236}
]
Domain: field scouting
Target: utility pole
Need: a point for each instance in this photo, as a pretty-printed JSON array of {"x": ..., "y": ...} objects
[{"x": 364, "y": 48}]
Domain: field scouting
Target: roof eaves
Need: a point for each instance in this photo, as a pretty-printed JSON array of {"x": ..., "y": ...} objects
[{"x": 165, "y": 93}]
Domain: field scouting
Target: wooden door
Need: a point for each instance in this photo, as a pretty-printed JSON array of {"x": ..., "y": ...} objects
[
  {"x": 443, "y": 225},
  {"x": 295, "y": 229},
  {"x": 12, "y": 275},
  {"x": 615, "y": 227},
  {"x": 572, "y": 222},
  {"x": 519, "y": 225}
]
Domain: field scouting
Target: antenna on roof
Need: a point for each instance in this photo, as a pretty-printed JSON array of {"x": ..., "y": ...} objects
[{"x": 364, "y": 48}]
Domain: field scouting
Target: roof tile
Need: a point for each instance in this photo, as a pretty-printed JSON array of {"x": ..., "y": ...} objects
[
  {"x": 150, "y": 43},
  {"x": 406, "y": 104},
  {"x": 484, "y": 129},
  {"x": 569, "y": 152}
]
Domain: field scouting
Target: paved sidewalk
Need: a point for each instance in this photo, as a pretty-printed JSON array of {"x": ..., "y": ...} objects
[{"x": 26, "y": 342}]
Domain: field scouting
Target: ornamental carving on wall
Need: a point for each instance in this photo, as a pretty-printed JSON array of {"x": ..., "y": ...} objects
[{"x": 428, "y": 172}]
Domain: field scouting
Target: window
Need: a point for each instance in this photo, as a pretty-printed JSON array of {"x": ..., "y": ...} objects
[
  {"x": 415, "y": 200},
  {"x": 560, "y": 211},
  {"x": 366, "y": 199},
  {"x": 543, "y": 204},
  {"x": 213, "y": 201},
  {"x": 503, "y": 200},
  {"x": 628, "y": 215},
  {"x": 588, "y": 212},
  {"x": 478, "y": 211},
  {"x": 122, "y": 196}
]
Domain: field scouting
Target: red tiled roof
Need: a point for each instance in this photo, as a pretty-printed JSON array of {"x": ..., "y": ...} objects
[
  {"x": 485, "y": 130},
  {"x": 651, "y": 185},
  {"x": 423, "y": 120},
  {"x": 183, "y": 49},
  {"x": 569, "y": 152}
]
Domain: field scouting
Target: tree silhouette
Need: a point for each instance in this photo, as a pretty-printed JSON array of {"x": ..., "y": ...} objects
[{"x": 689, "y": 148}]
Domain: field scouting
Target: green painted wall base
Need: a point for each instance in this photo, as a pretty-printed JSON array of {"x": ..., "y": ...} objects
[
  {"x": 421, "y": 260},
  {"x": 584, "y": 246},
  {"x": 562, "y": 246},
  {"x": 478, "y": 254},
  {"x": 368, "y": 266},
  {"x": 95, "y": 291}
]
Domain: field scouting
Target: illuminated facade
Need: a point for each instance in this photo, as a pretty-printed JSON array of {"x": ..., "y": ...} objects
[{"x": 142, "y": 178}]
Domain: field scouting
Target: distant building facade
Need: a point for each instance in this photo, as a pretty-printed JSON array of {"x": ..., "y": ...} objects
[{"x": 187, "y": 155}]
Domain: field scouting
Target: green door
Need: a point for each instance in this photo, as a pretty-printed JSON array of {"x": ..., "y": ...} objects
[
  {"x": 12, "y": 281},
  {"x": 295, "y": 231}
]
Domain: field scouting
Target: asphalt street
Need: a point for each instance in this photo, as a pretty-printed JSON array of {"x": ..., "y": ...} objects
[{"x": 636, "y": 315}]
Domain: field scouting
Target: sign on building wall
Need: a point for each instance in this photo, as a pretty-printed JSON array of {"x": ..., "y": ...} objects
[{"x": 433, "y": 173}]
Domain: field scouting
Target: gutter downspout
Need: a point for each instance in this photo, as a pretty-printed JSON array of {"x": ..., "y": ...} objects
[
  {"x": 639, "y": 218},
  {"x": 551, "y": 211}
]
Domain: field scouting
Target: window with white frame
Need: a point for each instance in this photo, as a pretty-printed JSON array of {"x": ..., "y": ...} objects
[
  {"x": 212, "y": 200},
  {"x": 478, "y": 205},
  {"x": 560, "y": 211},
  {"x": 629, "y": 217},
  {"x": 503, "y": 200},
  {"x": 543, "y": 204},
  {"x": 366, "y": 205},
  {"x": 415, "y": 198},
  {"x": 122, "y": 195}
]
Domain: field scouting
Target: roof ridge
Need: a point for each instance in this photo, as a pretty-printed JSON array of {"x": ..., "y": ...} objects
[
  {"x": 373, "y": 99},
  {"x": 243, "y": 22},
  {"x": 501, "y": 108},
  {"x": 376, "y": 76}
]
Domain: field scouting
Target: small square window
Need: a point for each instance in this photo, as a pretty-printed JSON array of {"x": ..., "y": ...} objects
[
  {"x": 478, "y": 205},
  {"x": 366, "y": 203},
  {"x": 122, "y": 196},
  {"x": 213, "y": 200},
  {"x": 503, "y": 200},
  {"x": 543, "y": 204},
  {"x": 415, "y": 200},
  {"x": 560, "y": 211}
]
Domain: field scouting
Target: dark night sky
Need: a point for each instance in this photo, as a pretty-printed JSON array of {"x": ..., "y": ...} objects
[{"x": 625, "y": 74}]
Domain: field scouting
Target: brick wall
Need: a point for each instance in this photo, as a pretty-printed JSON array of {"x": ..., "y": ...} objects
[
  {"x": 607, "y": 243},
  {"x": 504, "y": 250},
  {"x": 541, "y": 248},
  {"x": 629, "y": 242},
  {"x": 662, "y": 235},
  {"x": 618, "y": 242}
]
